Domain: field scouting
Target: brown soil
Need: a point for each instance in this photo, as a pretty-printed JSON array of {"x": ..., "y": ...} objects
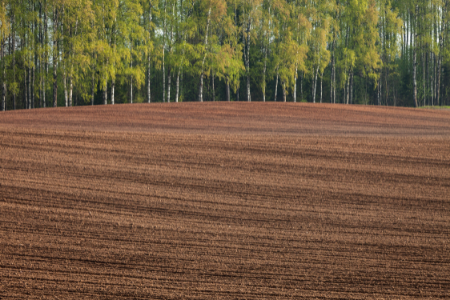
[{"x": 225, "y": 201}]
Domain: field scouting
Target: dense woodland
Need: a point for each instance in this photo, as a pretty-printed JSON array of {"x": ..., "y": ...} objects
[{"x": 83, "y": 52}]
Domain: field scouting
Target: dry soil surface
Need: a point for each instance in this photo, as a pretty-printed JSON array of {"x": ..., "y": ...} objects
[{"x": 225, "y": 201}]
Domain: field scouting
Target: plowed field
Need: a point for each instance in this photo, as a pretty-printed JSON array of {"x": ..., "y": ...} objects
[{"x": 225, "y": 201}]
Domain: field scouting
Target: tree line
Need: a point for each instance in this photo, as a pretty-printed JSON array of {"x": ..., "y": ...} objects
[{"x": 80, "y": 52}]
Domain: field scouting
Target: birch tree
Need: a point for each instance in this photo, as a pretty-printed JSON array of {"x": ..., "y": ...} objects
[
  {"x": 4, "y": 33},
  {"x": 250, "y": 12}
]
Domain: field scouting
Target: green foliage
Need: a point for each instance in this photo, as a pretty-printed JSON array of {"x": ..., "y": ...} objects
[{"x": 360, "y": 51}]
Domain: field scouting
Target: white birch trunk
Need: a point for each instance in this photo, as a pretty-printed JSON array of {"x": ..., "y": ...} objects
[
  {"x": 432, "y": 85},
  {"x": 45, "y": 75},
  {"x": 66, "y": 97},
  {"x": 301, "y": 85},
  {"x": 178, "y": 86},
  {"x": 200, "y": 89},
  {"x": 164, "y": 77},
  {"x": 30, "y": 97},
  {"x": 169, "y": 84},
  {"x": 149, "y": 97},
  {"x": 331, "y": 74},
  {"x": 439, "y": 68},
  {"x": 295, "y": 86},
  {"x": 321, "y": 88},
  {"x": 247, "y": 60},
  {"x": 315, "y": 84},
  {"x": 334, "y": 81},
  {"x": 348, "y": 90},
  {"x": 55, "y": 60},
  {"x": 424, "y": 100},
  {"x": 93, "y": 87},
  {"x": 71, "y": 68},
  {"x": 4, "y": 77},
  {"x": 149, "y": 94},
  {"x": 113, "y": 87},
  {"x": 351, "y": 87},
  {"x": 105, "y": 94},
  {"x": 32, "y": 87},
  {"x": 163, "y": 55},
  {"x": 63, "y": 59},
  {"x": 70, "y": 91},
  {"x": 264, "y": 75},
  {"x": 415, "y": 61},
  {"x": 200, "y": 92},
  {"x": 276, "y": 88},
  {"x": 213, "y": 87},
  {"x": 25, "y": 103},
  {"x": 33, "y": 69}
]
